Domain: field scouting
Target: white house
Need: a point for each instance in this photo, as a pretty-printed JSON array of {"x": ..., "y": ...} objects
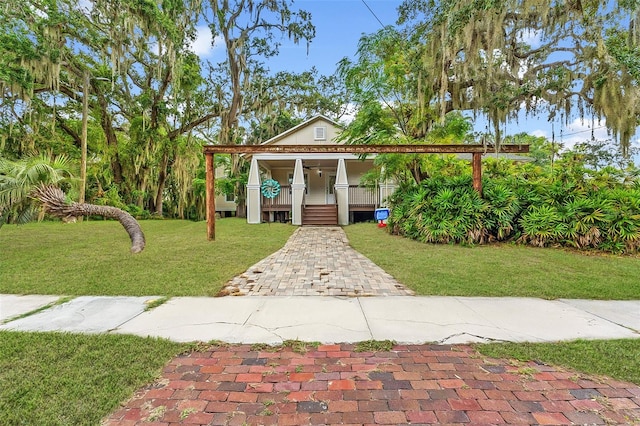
[
  {"x": 315, "y": 188},
  {"x": 225, "y": 203}
]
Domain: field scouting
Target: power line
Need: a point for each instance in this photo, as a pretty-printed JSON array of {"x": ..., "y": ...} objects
[
  {"x": 373, "y": 13},
  {"x": 584, "y": 131}
]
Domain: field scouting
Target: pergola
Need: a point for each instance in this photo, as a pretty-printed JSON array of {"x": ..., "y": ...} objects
[{"x": 477, "y": 150}]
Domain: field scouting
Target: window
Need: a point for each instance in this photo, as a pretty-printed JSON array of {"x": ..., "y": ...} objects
[
  {"x": 230, "y": 197},
  {"x": 319, "y": 133}
]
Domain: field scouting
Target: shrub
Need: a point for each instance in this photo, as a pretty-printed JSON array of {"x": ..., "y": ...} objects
[{"x": 569, "y": 206}]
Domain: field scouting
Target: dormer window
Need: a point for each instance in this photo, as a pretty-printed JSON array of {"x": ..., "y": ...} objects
[{"x": 319, "y": 133}]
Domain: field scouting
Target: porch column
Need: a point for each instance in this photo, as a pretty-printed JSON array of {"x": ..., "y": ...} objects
[
  {"x": 253, "y": 193},
  {"x": 342, "y": 193},
  {"x": 297, "y": 193}
]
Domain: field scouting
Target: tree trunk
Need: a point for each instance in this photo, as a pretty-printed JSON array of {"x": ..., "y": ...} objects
[
  {"x": 54, "y": 203},
  {"x": 112, "y": 140},
  {"x": 241, "y": 203},
  {"x": 162, "y": 179},
  {"x": 498, "y": 134}
]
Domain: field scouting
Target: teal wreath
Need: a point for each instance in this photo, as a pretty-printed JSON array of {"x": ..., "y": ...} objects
[{"x": 270, "y": 188}]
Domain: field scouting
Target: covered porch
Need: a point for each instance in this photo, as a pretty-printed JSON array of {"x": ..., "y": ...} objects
[
  {"x": 298, "y": 151},
  {"x": 314, "y": 189}
]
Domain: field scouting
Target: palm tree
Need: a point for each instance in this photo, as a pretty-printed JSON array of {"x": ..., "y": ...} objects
[
  {"x": 54, "y": 202},
  {"x": 26, "y": 183},
  {"x": 19, "y": 178}
]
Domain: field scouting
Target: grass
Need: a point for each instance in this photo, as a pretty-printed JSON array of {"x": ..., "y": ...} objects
[
  {"x": 498, "y": 270},
  {"x": 619, "y": 359},
  {"x": 297, "y": 346},
  {"x": 93, "y": 258},
  {"x": 152, "y": 304},
  {"x": 374, "y": 346},
  {"x": 64, "y": 379},
  {"x": 71, "y": 379},
  {"x": 56, "y": 379}
]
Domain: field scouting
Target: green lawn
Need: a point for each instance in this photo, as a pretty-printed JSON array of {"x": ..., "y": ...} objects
[
  {"x": 619, "y": 359},
  {"x": 498, "y": 270},
  {"x": 60, "y": 379},
  {"x": 93, "y": 258},
  {"x": 71, "y": 379}
]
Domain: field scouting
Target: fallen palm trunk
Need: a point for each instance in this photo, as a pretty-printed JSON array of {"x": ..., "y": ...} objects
[{"x": 54, "y": 203}]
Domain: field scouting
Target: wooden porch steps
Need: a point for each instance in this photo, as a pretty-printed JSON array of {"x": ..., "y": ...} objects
[{"x": 320, "y": 215}]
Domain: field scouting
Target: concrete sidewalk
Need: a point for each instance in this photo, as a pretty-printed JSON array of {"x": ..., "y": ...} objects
[
  {"x": 301, "y": 292},
  {"x": 273, "y": 319}
]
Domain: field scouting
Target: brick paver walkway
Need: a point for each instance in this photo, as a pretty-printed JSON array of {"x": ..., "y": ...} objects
[
  {"x": 316, "y": 261},
  {"x": 333, "y": 384}
]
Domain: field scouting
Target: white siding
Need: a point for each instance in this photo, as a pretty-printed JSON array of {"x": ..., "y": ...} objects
[
  {"x": 222, "y": 205},
  {"x": 306, "y": 135},
  {"x": 355, "y": 170}
]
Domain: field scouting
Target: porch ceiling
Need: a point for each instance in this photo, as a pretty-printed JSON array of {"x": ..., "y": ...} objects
[
  {"x": 323, "y": 163},
  {"x": 281, "y": 152}
]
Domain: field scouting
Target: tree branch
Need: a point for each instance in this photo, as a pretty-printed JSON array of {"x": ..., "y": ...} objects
[
  {"x": 68, "y": 130},
  {"x": 193, "y": 124}
]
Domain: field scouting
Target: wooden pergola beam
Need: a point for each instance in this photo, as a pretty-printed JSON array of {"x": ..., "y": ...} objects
[
  {"x": 363, "y": 149},
  {"x": 476, "y": 150}
]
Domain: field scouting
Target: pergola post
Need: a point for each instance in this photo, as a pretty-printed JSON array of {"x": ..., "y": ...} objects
[
  {"x": 476, "y": 163},
  {"x": 210, "y": 199},
  {"x": 298, "y": 185}
]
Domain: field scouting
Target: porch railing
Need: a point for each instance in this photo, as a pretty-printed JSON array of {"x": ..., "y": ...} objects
[
  {"x": 281, "y": 202},
  {"x": 360, "y": 196}
]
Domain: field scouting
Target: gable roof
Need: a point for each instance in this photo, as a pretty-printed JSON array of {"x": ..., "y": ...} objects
[{"x": 300, "y": 126}]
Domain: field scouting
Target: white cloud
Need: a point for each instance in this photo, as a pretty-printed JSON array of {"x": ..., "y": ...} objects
[
  {"x": 86, "y": 5},
  {"x": 350, "y": 111},
  {"x": 202, "y": 45},
  {"x": 578, "y": 131},
  {"x": 540, "y": 133},
  {"x": 39, "y": 12},
  {"x": 531, "y": 37}
]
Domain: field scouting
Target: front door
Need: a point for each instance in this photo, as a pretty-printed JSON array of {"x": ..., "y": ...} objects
[{"x": 330, "y": 190}]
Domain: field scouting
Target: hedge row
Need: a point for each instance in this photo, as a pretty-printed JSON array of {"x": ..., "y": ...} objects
[{"x": 568, "y": 206}]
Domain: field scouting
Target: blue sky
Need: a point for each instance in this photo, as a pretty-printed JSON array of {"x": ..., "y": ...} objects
[{"x": 339, "y": 26}]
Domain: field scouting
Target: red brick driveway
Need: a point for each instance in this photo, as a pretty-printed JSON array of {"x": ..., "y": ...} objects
[{"x": 416, "y": 384}]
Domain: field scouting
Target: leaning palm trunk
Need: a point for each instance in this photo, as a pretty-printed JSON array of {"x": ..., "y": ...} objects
[{"x": 54, "y": 203}]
